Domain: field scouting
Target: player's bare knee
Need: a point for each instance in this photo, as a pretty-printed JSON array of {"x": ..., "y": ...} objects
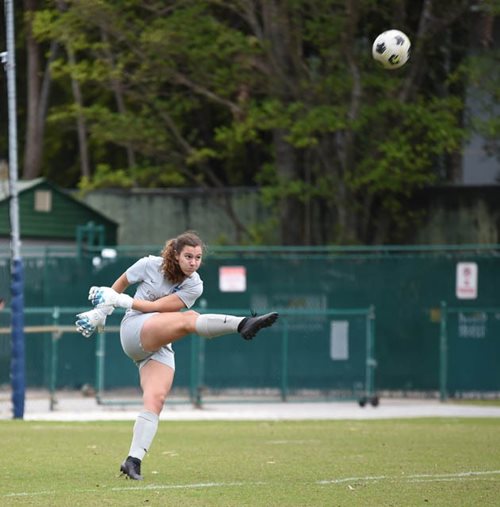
[
  {"x": 155, "y": 400},
  {"x": 190, "y": 317}
]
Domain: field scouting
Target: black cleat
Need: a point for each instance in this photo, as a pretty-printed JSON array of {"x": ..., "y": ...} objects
[
  {"x": 131, "y": 467},
  {"x": 250, "y": 326}
]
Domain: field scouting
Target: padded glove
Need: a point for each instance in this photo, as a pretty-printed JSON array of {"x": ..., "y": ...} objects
[
  {"x": 88, "y": 323},
  {"x": 104, "y": 296}
]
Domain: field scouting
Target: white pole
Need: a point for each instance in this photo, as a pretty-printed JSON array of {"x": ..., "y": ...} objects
[
  {"x": 10, "y": 67},
  {"x": 17, "y": 277}
]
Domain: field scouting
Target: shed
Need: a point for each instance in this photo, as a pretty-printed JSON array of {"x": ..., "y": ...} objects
[{"x": 51, "y": 215}]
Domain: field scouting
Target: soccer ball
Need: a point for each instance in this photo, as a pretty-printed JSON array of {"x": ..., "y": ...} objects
[{"x": 391, "y": 49}]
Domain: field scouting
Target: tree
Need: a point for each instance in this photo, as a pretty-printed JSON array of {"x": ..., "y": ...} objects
[
  {"x": 481, "y": 71},
  {"x": 280, "y": 94},
  {"x": 347, "y": 136},
  {"x": 37, "y": 99}
]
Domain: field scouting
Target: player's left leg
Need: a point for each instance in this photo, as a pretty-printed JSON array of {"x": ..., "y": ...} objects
[{"x": 156, "y": 381}]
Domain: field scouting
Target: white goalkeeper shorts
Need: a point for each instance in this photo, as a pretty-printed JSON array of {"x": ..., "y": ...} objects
[{"x": 130, "y": 337}]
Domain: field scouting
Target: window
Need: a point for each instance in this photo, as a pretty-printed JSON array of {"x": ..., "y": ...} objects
[{"x": 43, "y": 200}]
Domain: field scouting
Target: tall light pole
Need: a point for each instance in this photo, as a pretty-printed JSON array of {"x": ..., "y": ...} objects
[{"x": 17, "y": 368}]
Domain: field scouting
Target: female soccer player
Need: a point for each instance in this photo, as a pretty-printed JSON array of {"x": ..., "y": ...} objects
[{"x": 167, "y": 284}]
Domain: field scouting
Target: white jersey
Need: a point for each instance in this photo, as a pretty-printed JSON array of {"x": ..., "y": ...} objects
[{"x": 153, "y": 284}]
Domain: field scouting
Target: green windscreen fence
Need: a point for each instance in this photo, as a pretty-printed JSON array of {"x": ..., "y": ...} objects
[
  {"x": 405, "y": 286},
  {"x": 307, "y": 353},
  {"x": 470, "y": 351},
  {"x": 315, "y": 352}
]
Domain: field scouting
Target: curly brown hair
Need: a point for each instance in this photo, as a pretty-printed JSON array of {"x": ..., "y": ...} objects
[{"x": 170, "y": 266}]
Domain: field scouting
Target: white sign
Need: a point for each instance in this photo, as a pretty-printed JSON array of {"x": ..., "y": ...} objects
[
  {"x": 232, "y": 279},
  {"x": 466, "y": 280},
  {"x": 339, "y": 340}
]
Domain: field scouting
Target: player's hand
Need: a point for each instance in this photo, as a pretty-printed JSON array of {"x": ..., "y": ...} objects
[
  {"x": 104, "y": 296},
  {"x": 88, "y": 323}
]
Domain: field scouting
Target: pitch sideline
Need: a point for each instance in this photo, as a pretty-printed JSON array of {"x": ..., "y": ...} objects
[{"x": 458, "y": 476}]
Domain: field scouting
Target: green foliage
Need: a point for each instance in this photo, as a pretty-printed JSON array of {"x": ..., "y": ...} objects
[
  {"x": 215, "y": 93},
  {"x": 104, "y": 177},
  {"x": 482, "y": 72},
  {"x": 414, "y": 135}
]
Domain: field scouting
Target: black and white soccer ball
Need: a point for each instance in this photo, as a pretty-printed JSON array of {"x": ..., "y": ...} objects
[{"x": 391, "y": 49}]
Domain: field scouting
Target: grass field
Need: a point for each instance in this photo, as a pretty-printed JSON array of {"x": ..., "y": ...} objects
[{"x": 440, "y": 462}]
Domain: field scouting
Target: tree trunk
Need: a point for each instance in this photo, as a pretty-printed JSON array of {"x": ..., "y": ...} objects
[
  {"x": 81, "y": 124},
  {"x": 291, "y": 210},
  {"x": 38, "y": 93},
  {"x": 117, "y": 88},
  {"x": 33, "y": 144},
  {"x": 282, "y": 56}
]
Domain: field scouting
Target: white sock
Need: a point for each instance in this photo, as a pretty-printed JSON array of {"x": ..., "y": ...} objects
[
  {"x": 145, "y": 428},
  {"x": 210, "y": 325}
]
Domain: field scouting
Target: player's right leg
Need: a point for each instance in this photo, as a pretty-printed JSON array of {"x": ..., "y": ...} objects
[{"x": 164, "y": 328}]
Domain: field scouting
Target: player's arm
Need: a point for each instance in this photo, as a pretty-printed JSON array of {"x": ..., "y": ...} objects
[
  {"x": 121, "y": 284},
  {"x": 170, "y": 303},
  {"x": 114, "y": 295},
  {"x": 89, "y": 322}
]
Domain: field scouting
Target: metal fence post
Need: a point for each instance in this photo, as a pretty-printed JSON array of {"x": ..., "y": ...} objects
[
  {"x": 100, "y": 353},
  {"x": 197, "y": 366},
  {"x": 370, "y": 352},
  {"x": 443, "y": 353},
  {"x": 201, "y": 371},
  {"x": 284, "y": 361},
  {"x": 53, "y": 359}
]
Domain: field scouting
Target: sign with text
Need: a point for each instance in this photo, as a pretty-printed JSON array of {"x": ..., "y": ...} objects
[
  {"x": 466, "y": 280},
  {"x": 232, "y": 279}
]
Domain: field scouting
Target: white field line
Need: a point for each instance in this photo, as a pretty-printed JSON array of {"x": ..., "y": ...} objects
[
  {"x": 156, "y": 487},
  {"x": 459, "y": 476},
  {"x": 354, "y": 479},
  {"x": 29, "y": 494},
  {"x": 147, "y": 487},
  {"x": 414, "y": 478}
]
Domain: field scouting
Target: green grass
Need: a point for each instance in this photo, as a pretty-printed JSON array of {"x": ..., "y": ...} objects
[{"x": 440, "y": 462}]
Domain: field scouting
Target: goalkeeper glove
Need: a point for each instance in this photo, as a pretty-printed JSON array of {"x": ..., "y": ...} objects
[
  {"x": 88, "y": 322},
  {"x": 103, "y": 296}
]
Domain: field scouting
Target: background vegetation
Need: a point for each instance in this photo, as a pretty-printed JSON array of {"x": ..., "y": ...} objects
[{"x": 279, "y": 94}]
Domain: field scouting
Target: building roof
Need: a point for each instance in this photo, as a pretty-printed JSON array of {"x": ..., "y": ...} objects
[
  {"x": 22, "y": 185},
  {"x": 62, "y": 216}
]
